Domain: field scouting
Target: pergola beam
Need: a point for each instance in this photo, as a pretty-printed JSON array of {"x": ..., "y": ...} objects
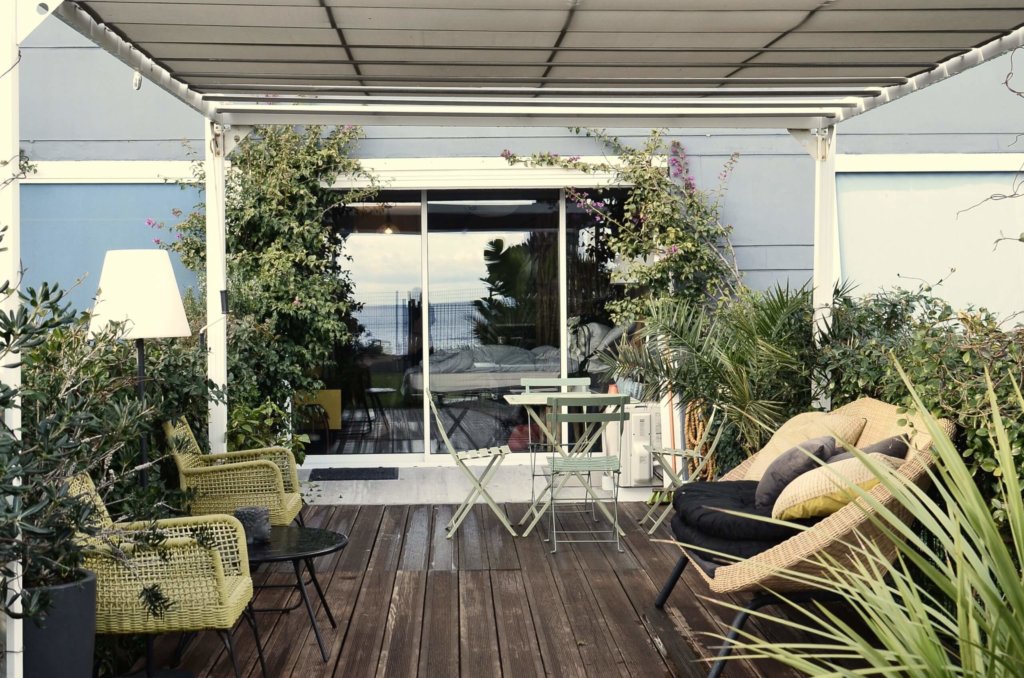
[
  {"x": 79, "y": 19},
  {"x": 946, "y": 69}
]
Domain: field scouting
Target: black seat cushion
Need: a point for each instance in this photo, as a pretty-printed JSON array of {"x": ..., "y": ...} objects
[
  {"x": 740, "y": 548},
  {"x": 703, "y": 506}
]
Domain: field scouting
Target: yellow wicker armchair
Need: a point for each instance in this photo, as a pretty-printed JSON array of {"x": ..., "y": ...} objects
[
  {"x": 221, "y": 483},
  {"x": 201, "y": 567}
]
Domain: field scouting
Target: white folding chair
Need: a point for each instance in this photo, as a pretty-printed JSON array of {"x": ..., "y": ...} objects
[
  {"x": 495, "y": 455},
  {"x": 676, "y": 476}
]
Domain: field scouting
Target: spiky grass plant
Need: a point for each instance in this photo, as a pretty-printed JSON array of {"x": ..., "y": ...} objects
[{"x": 952, "y": 603}]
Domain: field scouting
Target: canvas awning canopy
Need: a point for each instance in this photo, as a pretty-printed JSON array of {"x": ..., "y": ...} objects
[{"x": 805, "y": 64}]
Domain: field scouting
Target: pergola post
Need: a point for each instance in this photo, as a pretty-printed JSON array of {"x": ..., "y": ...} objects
[
  {"x": 216, "y": 280},
  {"x": 18, "y": 19},
  {"x": 10, "y": 372},
  {"x": 826, "y": 228},
  {"x": 821, "y": 144}
]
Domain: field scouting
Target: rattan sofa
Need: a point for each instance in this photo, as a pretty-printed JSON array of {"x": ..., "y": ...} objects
[{"x": 761, "y": 576}]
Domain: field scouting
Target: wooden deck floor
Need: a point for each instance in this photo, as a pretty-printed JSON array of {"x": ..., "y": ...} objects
[{"x": 410, "y": 602}]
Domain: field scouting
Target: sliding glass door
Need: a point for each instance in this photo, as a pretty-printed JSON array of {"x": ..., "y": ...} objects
[
  {"x": 493, "y": 307},
  {"x": 378, "y": 415}
]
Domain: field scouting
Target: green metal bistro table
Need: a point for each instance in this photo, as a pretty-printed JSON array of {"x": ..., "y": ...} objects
[
  {"x": 299, "y": 546},
  {"x": 534, "y": 402}
]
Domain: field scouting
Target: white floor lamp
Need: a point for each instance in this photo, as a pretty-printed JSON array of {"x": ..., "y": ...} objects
[{"x": 138, "y": 287}]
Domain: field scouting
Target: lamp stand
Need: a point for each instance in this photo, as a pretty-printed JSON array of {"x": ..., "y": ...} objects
[
  {"x": 140, "y": 386},
  {"x": 140, "y": 352}
]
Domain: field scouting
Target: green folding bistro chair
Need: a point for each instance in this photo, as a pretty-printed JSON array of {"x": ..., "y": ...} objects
[
  {"x": 495, "y": 455},
  {"x": 552, "y": 385},
  {"x": 580, "y": 460},
  {"x": 667, "y": 458}
]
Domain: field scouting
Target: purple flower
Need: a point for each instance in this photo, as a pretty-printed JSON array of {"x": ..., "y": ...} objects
[
  {"x": 150, "y": 222},
  {"x": 156, "y": 240},
  {"x": 178, "y": 236},
  {"x": 573, "y": 158},
  {"x": 507, "y": 154},
  {"x": 690, "y": 183}
]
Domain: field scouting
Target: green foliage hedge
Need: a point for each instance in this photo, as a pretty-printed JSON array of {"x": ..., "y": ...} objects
[
  {"x": 291, "y": 302},
  {"x": 945, "y": 353}
]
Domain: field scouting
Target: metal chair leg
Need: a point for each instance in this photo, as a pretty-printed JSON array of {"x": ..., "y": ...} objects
[
  {"x": 250, "y": 617},
  {"x": 299, "y": 519},
  {"x": 225, "y": 637},
  {"x": 670, "y": 583},
  {"x": 734, "y": 632},
  {"x": 179, "y": 651}
]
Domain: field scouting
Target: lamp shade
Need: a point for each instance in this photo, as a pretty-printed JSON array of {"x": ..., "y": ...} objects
[{"x": 138, "y": 287}]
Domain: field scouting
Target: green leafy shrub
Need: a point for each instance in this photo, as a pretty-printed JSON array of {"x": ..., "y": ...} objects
[
  {"x": 667, "y": 234},
  {"x": 751, "y": 356},
  {"x": 946, "y": 354},
  {"x": 291, "y": 294}
]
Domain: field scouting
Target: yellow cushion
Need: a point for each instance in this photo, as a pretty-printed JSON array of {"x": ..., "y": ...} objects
[
  {"x": 828, "y": 488},
  {"x": 804, "y": 427}
]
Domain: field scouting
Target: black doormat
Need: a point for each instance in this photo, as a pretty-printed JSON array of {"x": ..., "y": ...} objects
[{"x": 353, "y": 474}]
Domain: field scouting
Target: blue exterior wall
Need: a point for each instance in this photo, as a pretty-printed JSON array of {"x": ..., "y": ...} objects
[
  {"x": 78, "y": 104},
  {"x": 66, "y": 229}
]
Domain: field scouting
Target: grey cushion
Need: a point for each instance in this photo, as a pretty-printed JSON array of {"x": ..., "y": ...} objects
[
  {"x": 896, "y": 447},
  {"x": 792, "y": 463}
]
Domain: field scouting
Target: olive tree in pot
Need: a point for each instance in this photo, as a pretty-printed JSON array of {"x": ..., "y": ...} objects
[{"x": 40, "y": 522}]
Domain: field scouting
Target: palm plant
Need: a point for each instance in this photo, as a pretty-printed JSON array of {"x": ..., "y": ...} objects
[
  {"x": 747, "y": 356},
  {"x": 952, "y": 602}
]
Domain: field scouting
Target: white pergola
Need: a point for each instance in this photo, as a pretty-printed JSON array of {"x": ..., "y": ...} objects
[{"x": 801, "y": 65}]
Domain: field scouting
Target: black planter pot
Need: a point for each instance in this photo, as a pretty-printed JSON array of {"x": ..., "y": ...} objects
[{"x": 61, "y": 644}]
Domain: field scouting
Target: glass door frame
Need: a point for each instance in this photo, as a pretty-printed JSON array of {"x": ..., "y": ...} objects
[{"x": 426, "y": 458}]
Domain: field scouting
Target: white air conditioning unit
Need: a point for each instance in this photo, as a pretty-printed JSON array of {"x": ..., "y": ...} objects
[{"x": 630, "y": 440}]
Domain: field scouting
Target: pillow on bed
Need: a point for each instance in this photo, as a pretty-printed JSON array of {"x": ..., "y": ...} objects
[{"x": 828, "y": 488}]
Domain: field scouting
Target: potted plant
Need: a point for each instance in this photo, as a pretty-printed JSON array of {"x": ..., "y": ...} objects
[{"x": 41, "y": 523}]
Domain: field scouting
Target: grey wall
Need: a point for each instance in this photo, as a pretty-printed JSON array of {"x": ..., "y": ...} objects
[{"x": 78, "y": 104}]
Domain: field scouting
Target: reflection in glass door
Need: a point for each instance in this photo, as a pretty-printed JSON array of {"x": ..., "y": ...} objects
[
  {"x": 493, "y": 307},
  {"x": 379, "y": 415}
]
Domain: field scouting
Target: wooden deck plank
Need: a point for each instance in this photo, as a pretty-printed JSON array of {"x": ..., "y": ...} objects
[
  {"x": 303, "y": 659},
  {"x": 638, "y": 651},
  {"x": 399, "y": 656},
  {"x": 558, "y": 648},
  {"x": 517, "y": 637},
  {"x": 361, "y": 650},
  {"x": 361, "y": 538},
  {"x": 501, "y": 546},
  {"x": 388, "y": 548},
  {"x": 478, "y": 636},
  {"x": 439, "y": 645},
  {"x": 416, "y": 545},
  {"x": 472, "y": 547},
  {"x": 691, "y": 608},
  {"x": 594, "y": 640},
  {"x": 443, "y": 551}
]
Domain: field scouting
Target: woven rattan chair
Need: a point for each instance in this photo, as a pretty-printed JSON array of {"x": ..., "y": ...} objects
[
  {"x": 833, "y": 536},
  {"x": 202, "y": 567},
  {"x": 222, "y": 483}
]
